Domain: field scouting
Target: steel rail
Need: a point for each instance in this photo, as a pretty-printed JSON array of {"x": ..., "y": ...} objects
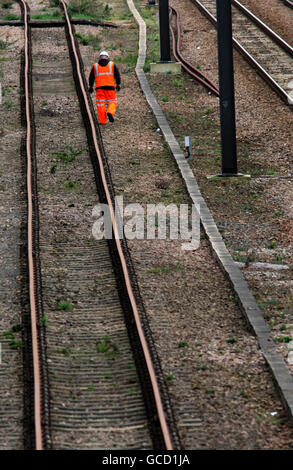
[
  {"x": 289, "y": 3},
  {"x": 194, "y": 73},
  {"x": 265, "y": 75},
  {"x": 31, "y": 262},
  {"x": 147, "y": 355}
]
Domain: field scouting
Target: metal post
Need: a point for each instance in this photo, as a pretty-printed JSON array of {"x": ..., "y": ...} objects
[
  {"x": 226, "y": 86},
  {"x": 164, "y": 30},
  {"x": 188, "y": 146}
]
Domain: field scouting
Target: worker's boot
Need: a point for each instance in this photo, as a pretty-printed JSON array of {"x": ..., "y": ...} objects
[{"x": 110, "y": 117}]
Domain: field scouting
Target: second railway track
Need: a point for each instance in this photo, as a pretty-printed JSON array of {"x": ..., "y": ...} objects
[{"x": 265, "y": 50}]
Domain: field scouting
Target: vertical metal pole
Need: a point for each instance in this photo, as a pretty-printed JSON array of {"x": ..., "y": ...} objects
[
  {"x": 164, "y": 30},
  {"x": 226, "y": 85}
]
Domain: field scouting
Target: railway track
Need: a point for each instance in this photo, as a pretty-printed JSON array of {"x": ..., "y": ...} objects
[
  {"x": 271, "y": 56},
  {"x": 92, "y": 376}
]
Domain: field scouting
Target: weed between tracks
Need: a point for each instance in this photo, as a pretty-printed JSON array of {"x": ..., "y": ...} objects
[
  {"x": 91, "y": 9},
  {"x": 89, "y": 40},
  {"x": 6, "y": 4},
  {"x": 65, "y": 305},
  {"x": 67, "y": 156},
  {"x": 56, "y": 15},
  {"x": 14, "y": 341},
  {"x": 11, "y": 17},
  {"x": 108, "y": 347}
]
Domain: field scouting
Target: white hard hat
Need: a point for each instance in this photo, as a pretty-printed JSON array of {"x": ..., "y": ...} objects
[{"x": 104, "y": 54}]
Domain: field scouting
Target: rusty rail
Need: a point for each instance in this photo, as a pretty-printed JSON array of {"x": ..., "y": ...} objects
[
  {"x": 31, "y": 247},
  {"x": 192, "y": 71}
]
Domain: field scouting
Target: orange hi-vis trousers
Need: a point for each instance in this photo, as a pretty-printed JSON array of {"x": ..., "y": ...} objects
[{"x": 103, "y": 96}]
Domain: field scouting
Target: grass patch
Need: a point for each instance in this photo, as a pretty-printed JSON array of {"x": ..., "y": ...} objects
[
  {"x": 71, "y": 185},
  {"x": 231, "y": 340},
  {"x": 53, "y": 169},
  {"x": 3, "y": 45},
  {"x": 11, "y": 17},
  {"x": 125, "y": 16},
  {"x": 169, "y": 378},
  {"x": 177, "y": 82},
  {"x": 279, "y": 259},
  {"x": 282, "y": 339},
  {"x": 107, "y": 346},
  {"x": 45, "y": 321},
  {"x": 8, "y": 104},
  {"x": 7, "y": 4},
  {"x": 47, "y": 16},
  {"x": 14, "y": 342},
  {"x": 90, "y": 40},
  {"x": 127, "y": 59},
  {"x": 239, "y": 258},
  {"x": 247, "y": 207},
  {"x": 67, "y": 156},
  {"x": 272, "y": 245},
  {"x": 268, "y": 303},
  {"x": 65, "y": 351},
  {"x": 8, "y": 334},
  {"x": 17, "y": 328},
  {"x": 6, "y": 90},
  {"x": 164, "y": 270},
  {"x": 89, "y": 9},
  {"x": 65, "y": 305}
]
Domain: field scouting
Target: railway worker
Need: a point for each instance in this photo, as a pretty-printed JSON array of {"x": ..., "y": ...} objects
[{"x": 105, "y": 74}]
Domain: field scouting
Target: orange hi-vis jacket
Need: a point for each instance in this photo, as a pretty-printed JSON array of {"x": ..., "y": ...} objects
[{"x": 104, "y": 76}]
